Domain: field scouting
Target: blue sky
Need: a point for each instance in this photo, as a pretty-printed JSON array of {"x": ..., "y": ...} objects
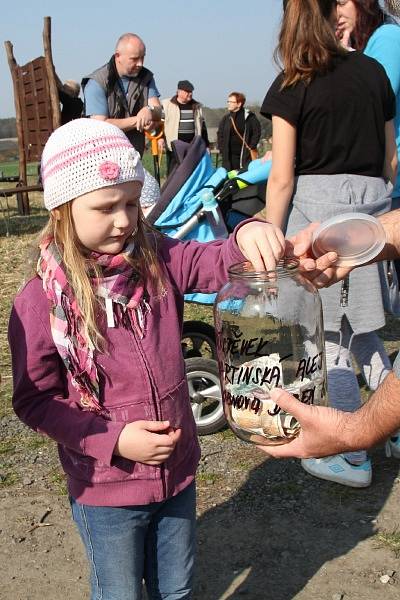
[{"x": 219, "y": 45}]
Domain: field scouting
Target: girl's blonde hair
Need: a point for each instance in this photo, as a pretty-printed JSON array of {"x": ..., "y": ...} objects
[
  {"x": 307, "y": 43},
  {"x": 80, "y": 269}
]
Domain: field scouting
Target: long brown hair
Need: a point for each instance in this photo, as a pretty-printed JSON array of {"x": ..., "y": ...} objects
[
  {"x": 370, "y": 16},
  {"x": 80, "y": 268},
  {"x": 307, "y": 43}
]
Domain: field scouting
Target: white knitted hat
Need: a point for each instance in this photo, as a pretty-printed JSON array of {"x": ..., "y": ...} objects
[{"x": 86, "y": 155}]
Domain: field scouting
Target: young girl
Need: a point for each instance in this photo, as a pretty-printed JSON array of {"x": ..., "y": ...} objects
[
  {"x": 334, "y": 152},
  {"x": 97, "y": 362}
]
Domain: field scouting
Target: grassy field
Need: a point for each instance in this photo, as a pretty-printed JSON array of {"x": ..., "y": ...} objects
[{"x": 10, "y": 168}]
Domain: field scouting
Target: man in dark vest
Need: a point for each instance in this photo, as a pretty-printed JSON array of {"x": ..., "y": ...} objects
[{"x": 123, "y": 92}]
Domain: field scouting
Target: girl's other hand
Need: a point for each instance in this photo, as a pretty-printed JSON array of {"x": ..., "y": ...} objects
[
  {"x": 148, "y": 442},
  {"x": 263, "y": 244}
]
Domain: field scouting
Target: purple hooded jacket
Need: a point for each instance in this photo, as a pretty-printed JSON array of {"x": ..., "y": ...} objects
[{"x": 139, "y": 379}]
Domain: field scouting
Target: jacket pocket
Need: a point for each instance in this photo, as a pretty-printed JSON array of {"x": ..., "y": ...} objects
[
  {"x": 175, "y": 407},
  {"x": 91, "y": 471}
]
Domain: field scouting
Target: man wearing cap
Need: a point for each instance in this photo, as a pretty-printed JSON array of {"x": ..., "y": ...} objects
[
  {"x": 123, "y": 92},
  {"x": 183, "y": 119}
]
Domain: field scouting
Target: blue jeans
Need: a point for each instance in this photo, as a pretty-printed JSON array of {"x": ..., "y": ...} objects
[{"x": 126, "y": 545}]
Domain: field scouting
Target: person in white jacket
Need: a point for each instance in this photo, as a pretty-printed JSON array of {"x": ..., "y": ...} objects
[{"x": 183, "y": 120}]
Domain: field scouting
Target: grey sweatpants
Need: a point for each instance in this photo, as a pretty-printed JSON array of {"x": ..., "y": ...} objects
[{"x": 343, "y": 388}]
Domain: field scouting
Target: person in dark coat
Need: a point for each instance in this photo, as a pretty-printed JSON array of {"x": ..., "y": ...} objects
[{"x": 238, "y": 134}]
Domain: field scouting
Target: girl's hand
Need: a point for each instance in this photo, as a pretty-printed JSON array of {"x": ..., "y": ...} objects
[
  {"x": 262, "y": 244},
  {"x": 148, "y": 442}
]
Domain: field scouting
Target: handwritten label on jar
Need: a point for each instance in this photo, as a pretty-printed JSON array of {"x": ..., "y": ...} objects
[
  {"x": 254, "y": 403},
  {"x": 246, "y": 385}
]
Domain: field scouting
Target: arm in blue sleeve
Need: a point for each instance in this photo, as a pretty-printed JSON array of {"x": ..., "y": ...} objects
[
  {"x": 153, "y": 90},
  {"x": 95, "y": 99}
]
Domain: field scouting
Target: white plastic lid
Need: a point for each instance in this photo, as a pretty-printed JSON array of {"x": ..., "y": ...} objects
[{"x": 356, "y": 238}]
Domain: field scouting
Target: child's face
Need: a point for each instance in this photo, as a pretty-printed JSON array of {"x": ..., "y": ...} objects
[{"x": 105, "y": 218}]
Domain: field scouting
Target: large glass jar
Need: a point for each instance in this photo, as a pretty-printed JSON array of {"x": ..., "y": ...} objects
[{"x": 269, "y": 332}]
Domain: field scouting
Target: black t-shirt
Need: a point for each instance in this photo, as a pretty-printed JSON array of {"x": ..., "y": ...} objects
[{"x": 339, "y": 117}]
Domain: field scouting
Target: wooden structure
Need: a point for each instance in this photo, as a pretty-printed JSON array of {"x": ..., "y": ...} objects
[{"x": 37, "y": 111}]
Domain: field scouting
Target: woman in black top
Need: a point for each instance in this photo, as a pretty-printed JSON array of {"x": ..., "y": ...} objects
[{"x": 334, "y": 152}]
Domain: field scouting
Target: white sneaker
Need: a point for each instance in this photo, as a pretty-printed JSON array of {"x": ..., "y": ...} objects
[
  {"x": 392, "y": 446},
  {"x": 336, "y": 468}
]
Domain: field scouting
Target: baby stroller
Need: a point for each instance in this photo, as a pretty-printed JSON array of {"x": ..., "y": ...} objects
[{"x": 193, "y": 190}]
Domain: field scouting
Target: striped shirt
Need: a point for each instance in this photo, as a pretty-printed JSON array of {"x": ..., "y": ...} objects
[{"x": 186, "y": 129}]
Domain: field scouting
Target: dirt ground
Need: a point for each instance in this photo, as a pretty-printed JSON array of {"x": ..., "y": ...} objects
[{"x": 266, "y": 529}]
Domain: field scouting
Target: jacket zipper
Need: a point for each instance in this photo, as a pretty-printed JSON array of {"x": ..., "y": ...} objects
[{"x": 155, "y": 404}]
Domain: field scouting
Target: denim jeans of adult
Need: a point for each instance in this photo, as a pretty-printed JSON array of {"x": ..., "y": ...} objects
[{"x": 129, "y": 544}]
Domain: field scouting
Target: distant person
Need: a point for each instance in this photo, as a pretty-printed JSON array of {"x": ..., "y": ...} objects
[
  {"x": 183, "y": 119},
  {"x": 123, "y": 92},
  {"x": 239, "y": 132},
  {"x": 71, "y": 104}
]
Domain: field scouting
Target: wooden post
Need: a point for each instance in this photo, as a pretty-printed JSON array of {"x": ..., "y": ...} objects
[
  {"x": 48, "y": 58},
  {"x": 23, "y": 199}
]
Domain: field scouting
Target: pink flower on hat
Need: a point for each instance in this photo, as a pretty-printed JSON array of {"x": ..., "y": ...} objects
[{"x": 109, "y": 170}]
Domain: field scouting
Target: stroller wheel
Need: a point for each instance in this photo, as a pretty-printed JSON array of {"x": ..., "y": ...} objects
[
  {"x": 198, "y": 340},
  {"x": 205, "y": 395}
]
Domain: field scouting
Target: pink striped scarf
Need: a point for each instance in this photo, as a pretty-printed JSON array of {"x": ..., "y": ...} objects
[{"x": 118, "y": 283}]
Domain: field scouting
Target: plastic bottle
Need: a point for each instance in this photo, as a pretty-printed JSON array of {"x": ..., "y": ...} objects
[{"x": 214, "y": 215}]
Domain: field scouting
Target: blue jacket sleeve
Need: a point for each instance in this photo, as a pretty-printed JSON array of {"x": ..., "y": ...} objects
[
  {"x": 153, "y": 90},
  {"x": 95, "y": 99}
]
